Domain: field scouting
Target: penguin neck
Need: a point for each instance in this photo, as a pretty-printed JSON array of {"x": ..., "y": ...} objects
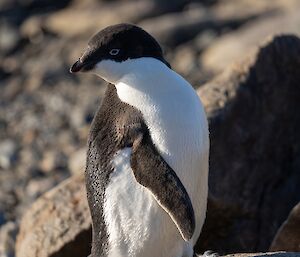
[{"x": 144, "y": 77}]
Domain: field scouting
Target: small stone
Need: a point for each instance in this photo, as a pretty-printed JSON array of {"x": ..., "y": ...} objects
[
  {"x": 9, "y": 37},
  {"x": 31, "y": 29},
  {"x": 8, "y": 234},
  {"x": 185, "y": 61},
  {"x": 77, "y": 161},
  {"x": 37, "y": 187},
  {"x": 53, "y": 160},
  {"x": 8, "y": 153}
]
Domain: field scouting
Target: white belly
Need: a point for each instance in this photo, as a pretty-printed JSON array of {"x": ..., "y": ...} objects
[{"x": 137, "y": 225}]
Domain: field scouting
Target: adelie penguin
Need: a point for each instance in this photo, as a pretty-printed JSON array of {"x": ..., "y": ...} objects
[{"x": 147, "y": 161}]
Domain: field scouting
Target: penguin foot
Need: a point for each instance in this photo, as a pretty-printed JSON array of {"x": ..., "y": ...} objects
[{"x": 209, "y": 254}]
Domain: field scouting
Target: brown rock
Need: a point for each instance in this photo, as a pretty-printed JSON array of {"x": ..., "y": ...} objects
[
  {"x": 77, "y": 161},
  {"x": 57, "y": 224},
  {"x": 255, "y": 145},
  {"x": 288, "y": 235},
  {"x": 7, "y": 236}
]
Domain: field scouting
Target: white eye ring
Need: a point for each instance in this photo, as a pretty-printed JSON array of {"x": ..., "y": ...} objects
[{"x": 114, "y": 51}]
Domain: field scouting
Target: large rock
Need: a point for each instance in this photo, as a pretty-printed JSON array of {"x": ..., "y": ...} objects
[
  {"x": 255, "y": 146},
  {"x": 57, "y": 224},
  {"x": 288, "y": 236}
]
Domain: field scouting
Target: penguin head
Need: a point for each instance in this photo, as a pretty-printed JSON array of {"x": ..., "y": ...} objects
[{"x": 110, "y": 51}]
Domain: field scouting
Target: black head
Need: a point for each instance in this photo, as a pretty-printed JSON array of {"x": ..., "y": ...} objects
[{"x": 119, "y": 43}]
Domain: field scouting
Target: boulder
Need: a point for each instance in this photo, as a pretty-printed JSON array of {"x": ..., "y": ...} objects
[
  {"x": 255, "y": 146},
  {"x": 57, "y": 224},
  {"x": 288, "y": 236}
]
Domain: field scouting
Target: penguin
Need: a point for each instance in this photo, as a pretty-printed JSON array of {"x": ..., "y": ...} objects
[{"x": 147, "y": 161}]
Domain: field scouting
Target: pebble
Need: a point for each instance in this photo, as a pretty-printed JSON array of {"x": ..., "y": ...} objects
[
  {"x": 8, "y": 153},
  {"x": 8, "y": 234}
]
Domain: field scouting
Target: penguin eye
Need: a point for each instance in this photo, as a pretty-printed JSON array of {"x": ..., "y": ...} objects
[{"x": 114, "y": 51}]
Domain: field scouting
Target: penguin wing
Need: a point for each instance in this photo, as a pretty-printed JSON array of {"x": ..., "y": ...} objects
[{"x": 153, "y": 172}]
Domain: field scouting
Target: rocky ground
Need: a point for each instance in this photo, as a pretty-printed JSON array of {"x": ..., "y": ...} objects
[{"x": 45, "y": 112}]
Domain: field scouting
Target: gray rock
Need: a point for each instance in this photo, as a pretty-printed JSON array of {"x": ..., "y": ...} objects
[
  {"x": 9, "y": 37},
  {"x": 77, "y": 161},
  {"x": 8, "y": 153},
  {"x": 255, "y": 145},
  {"x": 57, "y": 224},
  {"x": 7, "y": 239}
]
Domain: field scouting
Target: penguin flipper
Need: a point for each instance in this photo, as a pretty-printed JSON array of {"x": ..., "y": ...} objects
[{"x": 153, "y": 172}]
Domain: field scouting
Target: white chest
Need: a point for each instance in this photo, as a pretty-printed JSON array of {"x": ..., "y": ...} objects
[{"x": 137, "y": 225}]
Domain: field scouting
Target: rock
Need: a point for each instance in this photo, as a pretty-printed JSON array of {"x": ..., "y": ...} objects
[
  {"x": 240, "y": 44},
  {"x": 36, "y": 187},
  {"x": 57, "y": 224},
  {"x": 185, "y": 60},
  {"x": 255, "y": 145},
  {"x": 9, "y": 37},
  {"x": 53, "y": 160},
  {"x": 77, "y": 161},
  {"x": 7, "y": 239},
  {"x": 8, "y": 153},
  {"x": 32, "y": 30},
  {"x": 288, "y": 235}
]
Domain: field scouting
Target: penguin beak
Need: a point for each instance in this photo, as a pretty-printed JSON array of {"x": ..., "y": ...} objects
[
  {"x": 77, "y": 66},
  {"x": 82, "y": 65}
]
